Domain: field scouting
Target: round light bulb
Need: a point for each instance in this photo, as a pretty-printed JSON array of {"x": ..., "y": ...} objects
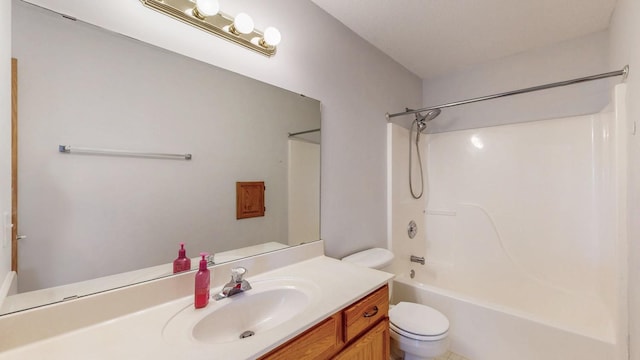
[
  {"x": 208, "y": 7},
  {"x": 272, "y": 36},
  {"x": 243, "y": 23}
]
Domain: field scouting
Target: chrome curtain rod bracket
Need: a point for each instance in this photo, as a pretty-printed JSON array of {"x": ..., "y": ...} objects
[
  {"x": 69, "y": 149},
  {"x": 303, "y": 132},
  {"x": 624, "y": 73}
]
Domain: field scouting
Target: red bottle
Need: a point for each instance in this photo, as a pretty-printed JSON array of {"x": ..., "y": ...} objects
[
  {"x": 182, "y": 263},
  {"x": 203, "y": 280}
]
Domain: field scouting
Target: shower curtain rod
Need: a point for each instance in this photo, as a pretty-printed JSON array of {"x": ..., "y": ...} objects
[{"x": 624, "y": 72}]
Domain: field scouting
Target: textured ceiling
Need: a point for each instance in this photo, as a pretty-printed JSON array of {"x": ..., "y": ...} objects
[{"x": 432, "y": 37}]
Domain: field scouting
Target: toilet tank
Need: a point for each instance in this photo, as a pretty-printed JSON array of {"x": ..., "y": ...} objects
[{"x": 376, "y": 258}]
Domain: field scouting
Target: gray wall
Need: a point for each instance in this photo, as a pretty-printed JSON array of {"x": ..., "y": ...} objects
[{"x": 580, "y": 57}]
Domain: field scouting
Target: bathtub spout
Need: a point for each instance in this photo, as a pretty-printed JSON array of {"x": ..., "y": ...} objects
[{"x": 417, "y": 259}]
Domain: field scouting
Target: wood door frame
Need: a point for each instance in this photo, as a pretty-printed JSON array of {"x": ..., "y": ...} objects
[{"x": 14, "y": 164}]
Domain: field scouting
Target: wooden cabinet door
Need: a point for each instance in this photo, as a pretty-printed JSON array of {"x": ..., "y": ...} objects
[
  {"x": 320, "y": 342},
  {"x": 374, "y": 345},
  {"x": 365, "y": 313}
]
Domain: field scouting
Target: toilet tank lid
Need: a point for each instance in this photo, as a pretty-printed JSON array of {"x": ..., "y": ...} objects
[{"x": 375, "y": 258}]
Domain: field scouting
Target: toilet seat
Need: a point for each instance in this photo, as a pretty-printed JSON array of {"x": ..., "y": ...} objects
[{"x": 418, "y": 322}]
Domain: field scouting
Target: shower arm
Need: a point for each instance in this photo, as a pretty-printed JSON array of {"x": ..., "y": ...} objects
[{"x": 624, "y": 72}]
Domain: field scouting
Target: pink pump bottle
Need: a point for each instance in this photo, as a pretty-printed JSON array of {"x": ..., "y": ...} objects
[
  {"x": 203, "y": 280},
  {"x": 182, "y": 263}
]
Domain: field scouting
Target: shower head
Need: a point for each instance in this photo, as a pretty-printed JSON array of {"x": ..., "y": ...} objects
[
  {"x": 430, "y": 115},
  {"x": 422, "y": 120}
]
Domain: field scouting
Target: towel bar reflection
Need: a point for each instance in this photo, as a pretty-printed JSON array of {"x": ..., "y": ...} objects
[
  {"x": 303, "y": 132},
  {"x": 69, "y": 149}
]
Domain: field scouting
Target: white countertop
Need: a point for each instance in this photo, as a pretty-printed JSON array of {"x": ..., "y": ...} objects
[{"x": 140, "y": 335}]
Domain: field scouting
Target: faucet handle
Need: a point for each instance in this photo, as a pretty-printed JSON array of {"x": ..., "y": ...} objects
[{"x": 237, "y": 273}]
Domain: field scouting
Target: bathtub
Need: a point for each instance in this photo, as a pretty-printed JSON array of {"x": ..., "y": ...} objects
[{"x": 517, "y": 324}]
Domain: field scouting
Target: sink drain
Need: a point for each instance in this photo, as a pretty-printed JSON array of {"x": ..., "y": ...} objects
[{"x": 247, "y": 334}]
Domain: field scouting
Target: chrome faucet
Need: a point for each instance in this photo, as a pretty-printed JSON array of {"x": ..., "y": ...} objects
[
  {"x": 417, "y": 259},
  {"x": 236, "y": 285},
  {"x": 211, "y": 259}
]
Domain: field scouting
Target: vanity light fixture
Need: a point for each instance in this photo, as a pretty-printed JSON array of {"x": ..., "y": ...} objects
[
  {"x": 206, "y": 15},
  {"x": 242, "y": 24}
]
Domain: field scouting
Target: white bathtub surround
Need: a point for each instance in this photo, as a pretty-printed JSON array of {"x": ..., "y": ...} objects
[
  {"x": 525, "y": 228},
  {"x": 138, "y": 333}
]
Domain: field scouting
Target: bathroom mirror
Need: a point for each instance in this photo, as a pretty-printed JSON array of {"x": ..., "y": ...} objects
[{"x": 94, "y": 221}]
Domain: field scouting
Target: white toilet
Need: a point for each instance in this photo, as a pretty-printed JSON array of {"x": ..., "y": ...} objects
[{"x": 417, "y": 331}]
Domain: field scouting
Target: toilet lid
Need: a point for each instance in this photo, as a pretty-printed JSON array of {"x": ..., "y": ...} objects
[{"x": 418, "y": 321}]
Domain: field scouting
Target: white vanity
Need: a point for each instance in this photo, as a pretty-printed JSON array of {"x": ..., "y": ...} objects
[{"x": 298, "y": 294}]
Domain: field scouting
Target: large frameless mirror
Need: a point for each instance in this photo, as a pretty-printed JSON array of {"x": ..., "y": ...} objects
[{"x": 95, "y": 220}]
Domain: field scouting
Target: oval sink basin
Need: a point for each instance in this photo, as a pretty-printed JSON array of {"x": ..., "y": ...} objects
[
  {"x": 250, "y": 314},
  {"x": 266, "y": 306}
]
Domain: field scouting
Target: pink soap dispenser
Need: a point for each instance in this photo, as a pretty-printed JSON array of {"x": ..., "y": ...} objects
[
  {"x": 203, "y": 279},
  {"x": 182, "y": 263}
]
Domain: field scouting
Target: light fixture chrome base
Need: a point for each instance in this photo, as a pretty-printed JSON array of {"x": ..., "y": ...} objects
[{"x": 183, "y": 10}]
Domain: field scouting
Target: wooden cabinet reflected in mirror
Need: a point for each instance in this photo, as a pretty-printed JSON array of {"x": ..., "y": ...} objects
[{"x": 250, "y": 199}]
